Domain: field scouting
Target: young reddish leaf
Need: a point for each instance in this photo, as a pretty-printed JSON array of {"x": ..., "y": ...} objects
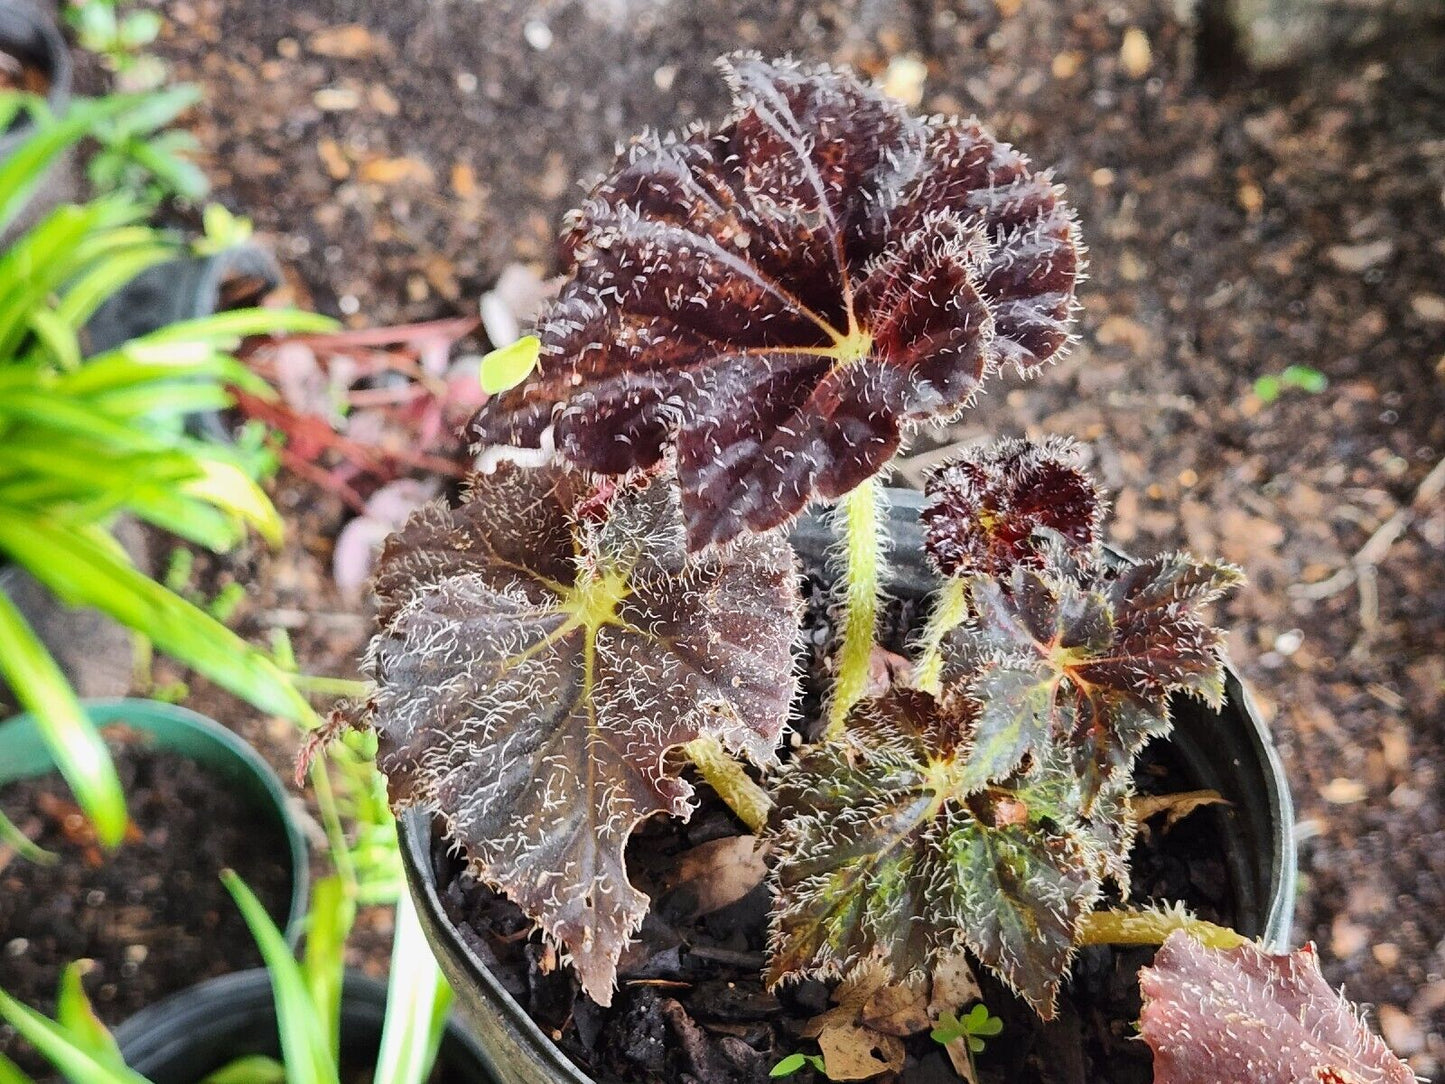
[
  {"x": 783, "y": 296},
  {"x": 884, "y": 850},
  {"x": 1088, "y": 666},
  {"x": 985, "y": 508},
  {"x": 1245, "y": 1016},
  {"x": 542, "y": 648}
]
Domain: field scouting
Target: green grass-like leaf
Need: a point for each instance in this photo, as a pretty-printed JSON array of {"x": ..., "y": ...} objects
[
  {"x": 74, "y": 1013},
  {"x": 328, "y": 924},
  {"x": 73, "y": 740},
  {"x": 84, "y": 568},
  {"x": 69, "y": 1057},
  {"x": 12, "y": 837},
  {"x": 417, "y": 1000},
  {"x": 303, "y": 1036},
  {"x": 10, "y": 1073},
  {"x": 252, "y": 1069}
]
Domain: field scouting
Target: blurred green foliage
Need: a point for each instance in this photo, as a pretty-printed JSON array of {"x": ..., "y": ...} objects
[
  {"x": 1298, "y": 377},
  {"x": 86, "y": 438}
]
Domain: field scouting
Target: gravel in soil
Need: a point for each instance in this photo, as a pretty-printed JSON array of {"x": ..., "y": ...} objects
[
  {"x": 153, "y": 917},
  {"x": 399, "y": 155}
]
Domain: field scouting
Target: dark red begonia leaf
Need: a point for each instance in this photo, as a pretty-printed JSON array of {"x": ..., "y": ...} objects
[
  {"x": 1246, "y": 1016},
  {"x": 783, "y": 296},
  {"x": 987, "y": 509}
]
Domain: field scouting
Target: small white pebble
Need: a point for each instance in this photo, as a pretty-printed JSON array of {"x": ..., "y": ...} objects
[
  {"x": 1287, "y": 643},
  {"x": 538, "y": 35}
]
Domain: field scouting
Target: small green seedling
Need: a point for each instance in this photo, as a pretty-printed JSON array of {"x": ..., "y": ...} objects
[
  {"x": 793, "y": 1062},
  {"x": 507, "y": 366},
  {"x": 975, "y": 1026},
  {"x": 1268, "y": 388},
  {"x": 223, "y": 230}
]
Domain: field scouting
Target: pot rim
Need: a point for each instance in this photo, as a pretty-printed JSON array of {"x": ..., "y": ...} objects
[
  {"x": 204, "y": 1006},
  {"x": 27, "y": 756}
]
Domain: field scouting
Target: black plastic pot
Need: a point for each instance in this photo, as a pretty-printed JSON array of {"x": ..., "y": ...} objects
[
  {"x": 31, "y": 36},
  {"x": 193, "y": 1033},
  {"x": 23, "y": 755},
  {"x": 182, "y": 289},
  {"x": 187, "y": 288},
  {"x": 1229, "y": 751}
]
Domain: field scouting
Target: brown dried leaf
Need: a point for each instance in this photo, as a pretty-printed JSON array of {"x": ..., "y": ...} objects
[
  {"x": 719, "y": 873},
  {"x": 853, "y": 1052},
  {"x": 1175, "y": 807},
  {"x": 898, "y": 1008},
  {"x": 954, "y": 984},
  {"x": 350, "y": 41}
]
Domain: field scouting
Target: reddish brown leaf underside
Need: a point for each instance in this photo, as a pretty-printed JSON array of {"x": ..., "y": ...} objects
[
  {"x": 986, "y": 508},
  {"x": 1245, "y": 1016},
  {"x": 535, "y": 666}
]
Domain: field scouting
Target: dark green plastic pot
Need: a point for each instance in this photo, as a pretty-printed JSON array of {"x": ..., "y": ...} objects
[
  {"x": 24, "y": 755},
  {"x": 1229, "y": 751},
  {"x": 191, "y": 1034}
]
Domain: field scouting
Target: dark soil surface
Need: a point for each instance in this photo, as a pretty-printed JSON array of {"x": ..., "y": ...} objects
[
  {"x": 691, "y": 1005},
  {"x": 152, "y": 918},
  {"x": 399, "y": 155}
]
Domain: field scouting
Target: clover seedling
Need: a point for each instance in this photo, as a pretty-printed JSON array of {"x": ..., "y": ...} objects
[
  {"x": 544, "y": 647},
  {"x": 975, "y": 1026},
  {"x": 1268, "y": 387},
  {"x": 793, "y": 1062}
]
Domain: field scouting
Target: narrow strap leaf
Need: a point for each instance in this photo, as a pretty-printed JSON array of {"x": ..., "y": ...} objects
[{"x": 73, "y": 740}]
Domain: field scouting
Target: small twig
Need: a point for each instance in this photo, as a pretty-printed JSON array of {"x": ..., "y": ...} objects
[
  {"x": 1362, "y": 568},
  {"x": 753, "y": 961},
  {"x": 450, "y": 329}
]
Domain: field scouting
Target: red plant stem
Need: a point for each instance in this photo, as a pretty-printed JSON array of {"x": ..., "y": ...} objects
[
  {"x": 323, "y": 478},
  {"x": 318, "y": 431},
  {"x": 451, "y": 330}
]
